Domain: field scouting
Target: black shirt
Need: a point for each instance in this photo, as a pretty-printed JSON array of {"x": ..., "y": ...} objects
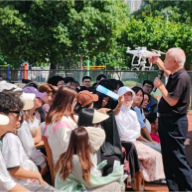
[{"x": 178, "y": 87}]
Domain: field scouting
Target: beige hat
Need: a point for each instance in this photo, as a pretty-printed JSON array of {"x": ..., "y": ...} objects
[
  {"x": 99, "y": 117},
  {"x": 28, "y": 100},
  {"x": 96, "y": 138}
]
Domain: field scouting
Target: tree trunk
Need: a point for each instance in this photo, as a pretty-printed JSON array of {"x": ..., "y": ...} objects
[{"x": 53, "y": 68}]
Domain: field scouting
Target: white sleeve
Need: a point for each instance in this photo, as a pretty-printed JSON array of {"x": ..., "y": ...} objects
[
  {"x": 10, "y": 151},
  {"x": 6, "y": 182},
  {"x": 28, "y": 144},
  {"x": 131, "y": 133}
]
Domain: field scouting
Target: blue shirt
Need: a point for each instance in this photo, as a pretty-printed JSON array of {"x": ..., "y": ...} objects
[{"x": 140, "y": 116}]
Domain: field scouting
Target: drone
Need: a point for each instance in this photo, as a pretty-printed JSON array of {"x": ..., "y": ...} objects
[{"x": 142, "y": 54}]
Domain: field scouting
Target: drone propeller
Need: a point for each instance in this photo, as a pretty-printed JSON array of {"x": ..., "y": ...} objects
[{"x": 158, "y": 51}]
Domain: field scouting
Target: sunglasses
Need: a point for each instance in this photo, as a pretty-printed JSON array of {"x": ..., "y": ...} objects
[{"x": 16, "y": 112}]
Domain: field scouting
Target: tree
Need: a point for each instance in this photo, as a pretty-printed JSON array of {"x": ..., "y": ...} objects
[
  {"x": 154, "y": 33},
  {"x": 181, "y": 10},
  {"x": 47, "y": 31}
]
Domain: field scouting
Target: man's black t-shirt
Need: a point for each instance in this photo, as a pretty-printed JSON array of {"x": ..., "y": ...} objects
[{"x": 178, "y": 87}]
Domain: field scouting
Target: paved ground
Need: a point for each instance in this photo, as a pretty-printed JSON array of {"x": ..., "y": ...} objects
[
  {"x": 162, "y": 187},
  {"x": 153, "y": 187}
]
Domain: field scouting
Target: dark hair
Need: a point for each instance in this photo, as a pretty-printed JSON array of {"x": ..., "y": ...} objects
[
  {"x": 98, "y": 104},
  {"x": 136, "y": 89},
  {"x": 91, "y": 89},
  {"x": 86, "y": 77},
  {"x": 26, "y": 81},
  {"x": 85, "y": 117},
  {"x": 78, "y": 107},
  {"x": 114, "y": 83},
  {"x": 81, "y": 88},
  {"x": 95, "y": 84},
  {"x": 76, "y": 82},
  {"x": 79, "y": 145},
  {"x": 120, "y": 83},
  {"x": 61, "y": 105},
  {"x": 107, "y": 84},
  {"x": 69, "y": 79},
  {"x": 148, "y": 82},
  {"x": 145, "y": 93},
  {"x": 31, "y": 84},
  {"x": 151, "y": 117},
  {"x": 54, "y": 80},
  {"x": 100, "y": 76},
  {"x": 10, "y": 102}
]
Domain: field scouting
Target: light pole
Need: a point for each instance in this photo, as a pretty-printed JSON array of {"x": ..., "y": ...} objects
[{"x": 167, "y": 14}]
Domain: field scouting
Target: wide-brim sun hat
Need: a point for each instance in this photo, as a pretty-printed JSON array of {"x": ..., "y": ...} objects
[{"x": 99, "y": 117}]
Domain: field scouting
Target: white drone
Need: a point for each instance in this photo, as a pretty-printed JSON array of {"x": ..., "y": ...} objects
[{"x": 142, "y": 54}]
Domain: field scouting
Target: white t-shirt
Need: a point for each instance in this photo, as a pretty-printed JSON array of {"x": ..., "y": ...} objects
[
  {"x": 6, "y": 182},
  {"x": 34, "y": 126},
  {"x": 58, "y": 135},
  {"x": 15, "y": 156},
  {"x": 26, "y": 139}
]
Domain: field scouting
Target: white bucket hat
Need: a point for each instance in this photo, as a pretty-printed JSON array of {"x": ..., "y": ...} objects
[
  {"x": 99, "y": 117},
  {"x": 124, "y": 89}
]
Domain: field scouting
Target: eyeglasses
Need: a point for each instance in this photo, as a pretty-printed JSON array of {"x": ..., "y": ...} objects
[{"x": 147, "y": 86}]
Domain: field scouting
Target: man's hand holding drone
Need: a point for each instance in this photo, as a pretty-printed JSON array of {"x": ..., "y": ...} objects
[{"x": 154, "y": 60}]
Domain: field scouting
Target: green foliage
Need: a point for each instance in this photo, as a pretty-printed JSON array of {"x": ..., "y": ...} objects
[
  {"x": 49, "y": 31},
  {"x": 181, "y": 10},
  {"x": 155, "y": 33}
]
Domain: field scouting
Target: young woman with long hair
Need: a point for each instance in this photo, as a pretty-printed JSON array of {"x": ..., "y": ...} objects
[
  {"x": 145, "y": 137},
  {"x": 50, "y": 90},
  {"x": 60, "y": 121},
  {"x": 74, "y": 167}
]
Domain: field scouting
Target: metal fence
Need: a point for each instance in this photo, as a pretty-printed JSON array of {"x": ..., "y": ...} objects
[{"x": 129, "y": 78}]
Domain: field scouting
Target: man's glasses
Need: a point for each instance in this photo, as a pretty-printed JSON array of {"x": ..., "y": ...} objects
[{"x": 147, "y": 86}]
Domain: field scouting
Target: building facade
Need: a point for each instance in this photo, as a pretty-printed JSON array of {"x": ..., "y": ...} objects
[{"x": 134, "y": 5}]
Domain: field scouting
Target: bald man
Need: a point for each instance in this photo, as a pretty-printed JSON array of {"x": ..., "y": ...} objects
[{"x": 173, "y": 123}]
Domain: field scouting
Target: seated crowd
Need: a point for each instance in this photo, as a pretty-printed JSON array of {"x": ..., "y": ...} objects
[{"x": 90, "y": 135}]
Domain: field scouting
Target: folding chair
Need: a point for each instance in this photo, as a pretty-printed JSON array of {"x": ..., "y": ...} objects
[{"x": 50, "y": 159}]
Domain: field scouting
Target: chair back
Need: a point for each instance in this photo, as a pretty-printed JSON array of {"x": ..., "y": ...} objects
[{"x": 50, "y": 159}]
